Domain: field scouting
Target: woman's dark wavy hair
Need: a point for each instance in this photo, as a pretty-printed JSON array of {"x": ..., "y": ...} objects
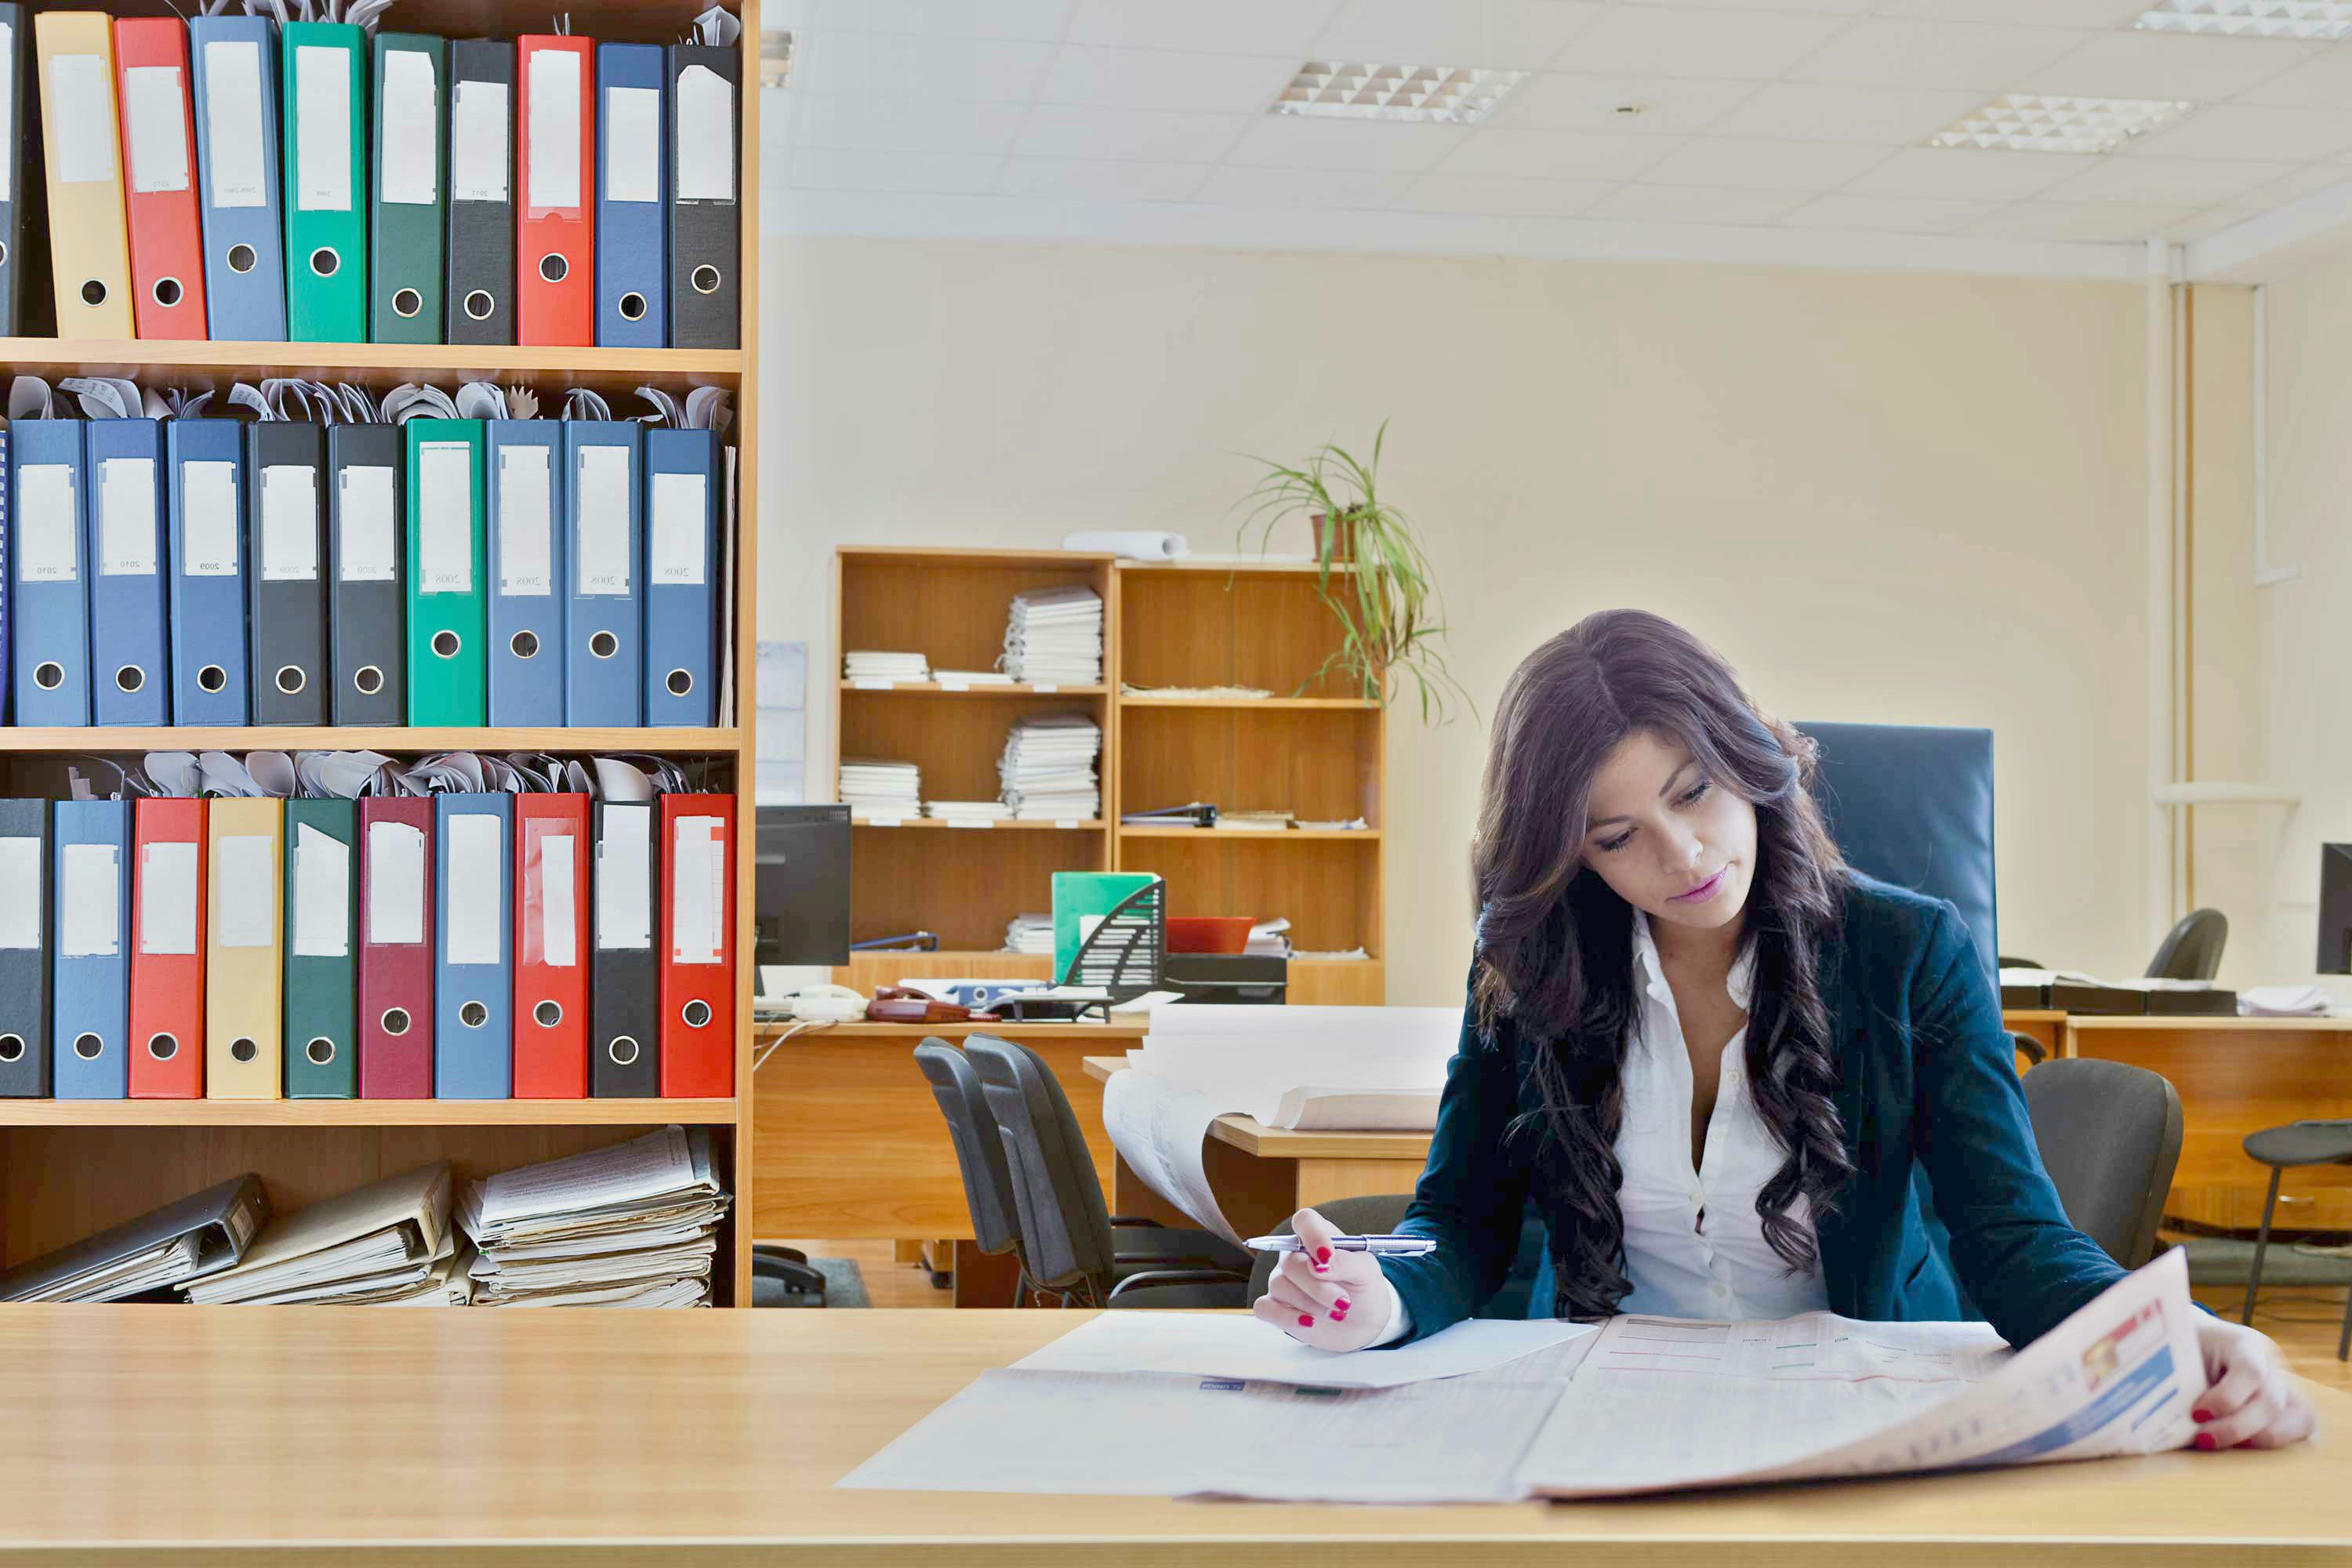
[{"x": 1556, "y": 945}]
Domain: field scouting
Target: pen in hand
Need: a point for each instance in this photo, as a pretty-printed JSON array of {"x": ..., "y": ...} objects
[{"x": 1379, "y": 1245}]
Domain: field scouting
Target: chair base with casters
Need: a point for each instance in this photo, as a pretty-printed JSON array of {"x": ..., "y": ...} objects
[
  {"x": 2297, "y": 1143},
  {"x": 786, "y": 1271}
]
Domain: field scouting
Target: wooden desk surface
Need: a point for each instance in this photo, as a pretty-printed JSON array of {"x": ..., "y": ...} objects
[
  {"x": 1252, "y": 1136},
  {"x": 149, "y": 1434}
]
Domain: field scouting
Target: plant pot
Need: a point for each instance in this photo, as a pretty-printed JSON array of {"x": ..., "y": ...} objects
[{"x": 1343, "y": 545}]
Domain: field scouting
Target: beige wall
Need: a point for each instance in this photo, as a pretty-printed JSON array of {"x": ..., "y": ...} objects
[{"x": 1886, "y": 498}]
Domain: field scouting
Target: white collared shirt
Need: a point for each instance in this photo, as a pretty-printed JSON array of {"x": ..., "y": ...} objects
[{"x": 1693, "y": 1245}]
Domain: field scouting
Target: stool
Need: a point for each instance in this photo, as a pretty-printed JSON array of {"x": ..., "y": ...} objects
[{"x": 2297, "y": 1143}]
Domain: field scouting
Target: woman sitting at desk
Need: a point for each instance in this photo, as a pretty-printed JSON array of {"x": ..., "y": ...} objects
[{"x": 1713, "y": 1054}]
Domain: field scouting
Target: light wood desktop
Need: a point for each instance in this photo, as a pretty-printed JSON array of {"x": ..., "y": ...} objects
[{"x": 346, "y": 1435}]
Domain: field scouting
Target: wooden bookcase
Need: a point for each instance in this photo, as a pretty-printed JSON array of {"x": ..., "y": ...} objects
[
  {"x": 1320, "y": 754},
  {"x": 70, "y": 1167}
]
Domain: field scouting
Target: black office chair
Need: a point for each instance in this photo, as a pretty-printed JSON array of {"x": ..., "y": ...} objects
[
  {"x": 2110, "y": 1136},
  {"x": 2192, "y": 949},
  {"x": 1067, "y": 1243},
  {"x": 2297, "y": 1143}
]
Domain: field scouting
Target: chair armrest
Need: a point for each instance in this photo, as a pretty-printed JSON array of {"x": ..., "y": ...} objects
[
  {"x": 1144, "y": 1224},
  {"x": 1179, "y": 1276},
  {"x": 2035, "y": 1051}
]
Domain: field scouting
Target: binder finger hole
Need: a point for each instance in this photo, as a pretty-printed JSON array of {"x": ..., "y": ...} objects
[
  {"x": 212, "y": 678},
  {"x": 446, "y": 644},
  {"x": 93, "y": 292},
  {"x": 679, "y": 682},
  {"x": 290, "y": 678},
  {"x": 4, "y": 253},
  {"x": 162, "y": 1048},
  {"x": 406, "y": 302},
  {"x": 547, "y": 1014},
  {"x": 167, "y": 291},
  {"x": 396, "y": 1021},
  {"x": 622, "y": 1050},
  {"x": 88, "y": 1047},
  {"x": 324, "y": 261},
  {"x": 321, "y": 1052},
  {"x": 705, "y": 278},
  {"x": 49, "y": 676},
  {"x": 244, "y": 1050},
  {"x": 696, "y": 1014},
  {"x": 368, "y": 678},
  {"x": 632, "y": 307},
  {"x": 553, "y": 268},
  {"x": 129, "y": 678},
  {"x": 603, "y": 645},
  {"x": 242, "y": 258},
  {"x": 525, "y": 644},
  {"x": 478, "y": 304},
  {"x": 12, "y": 1048},
  {"x": 473, "y": 1015}
]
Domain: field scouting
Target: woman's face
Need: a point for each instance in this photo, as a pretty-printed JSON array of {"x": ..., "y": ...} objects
[{"x": 1676, "y": 845}]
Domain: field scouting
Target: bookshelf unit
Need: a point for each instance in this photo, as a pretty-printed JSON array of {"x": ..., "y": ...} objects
[
  {"x": 1320, "y": 754},
  {"x": 71, "y": 1167}
]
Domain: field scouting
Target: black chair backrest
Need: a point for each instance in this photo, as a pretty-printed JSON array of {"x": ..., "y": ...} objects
[
  {"x": 2192, "y": 949},
  {"x": 979, "y": 1150},
  {"x": 1375, "y": 1216},
  {"x": 1912, "y": 805},
  {"x": 1057, "y": 1199},
  {"x": 2110, "y": 1136}
]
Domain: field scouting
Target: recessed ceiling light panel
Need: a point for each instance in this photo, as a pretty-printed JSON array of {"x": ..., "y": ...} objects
[
  {"x": 2025, "y": 123},
  {"x": 2327, "y": 19},
  {"x": 1434, "y": 95}
]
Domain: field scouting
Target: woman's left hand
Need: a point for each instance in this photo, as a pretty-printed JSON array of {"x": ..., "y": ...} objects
[{"x": 2249, "y": 1400}]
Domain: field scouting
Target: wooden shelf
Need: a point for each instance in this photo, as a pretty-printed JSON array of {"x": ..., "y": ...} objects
[
  {"x": 1262, "y": 704},
  {"x": 1245, "y": 835},
  {"x": 361, "y": 738},
  {"x": 933, "y": 688},
  {"x": 1092, "y": 825},
  {"x": 219, "y": 365},
  {"x": 365, "y": 1112}
]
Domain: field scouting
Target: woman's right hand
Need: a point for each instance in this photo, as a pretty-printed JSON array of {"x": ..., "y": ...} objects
[{"x": 1322, "y": 1297}]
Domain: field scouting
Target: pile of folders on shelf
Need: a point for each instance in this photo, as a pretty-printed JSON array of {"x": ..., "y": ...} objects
[
  {"x": 315, "y": 180},
  {"x": 332, "y": 557},
  {"x": 335, "y": 925}
]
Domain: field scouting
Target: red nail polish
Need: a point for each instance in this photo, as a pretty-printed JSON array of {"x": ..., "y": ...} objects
[
  {"x": 2205, "y": 1441},
  {"x": 1341, "y": 1303},
  {"x": 1307, "y": 1322},
  {"x": 2203, "y": 1415},
  {"x": 1322, "y": 1254},
  {"x": 1339, "y": 1317},
  {"x": 1318, "y": 1268}
]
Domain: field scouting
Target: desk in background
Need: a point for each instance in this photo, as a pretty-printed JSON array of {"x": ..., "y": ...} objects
[{"x": 587, "y": 1439}]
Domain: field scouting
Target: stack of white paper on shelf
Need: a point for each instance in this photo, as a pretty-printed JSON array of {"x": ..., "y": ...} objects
[
  {"x": 957, "y": 680},
  {"x": 631, "y": 1225},
  {"x": 1056, "y": 638},
  {"x": 1269, "y": 939},
  {"x": 385, "y": 1244},
  {"x": 877, "y": 786},
  {"x": 872, "y": 664},
  {"x": 954, "y": 811},
  {"x": 1048, "y": 768},
  {"x": 1031, "y": 934}
]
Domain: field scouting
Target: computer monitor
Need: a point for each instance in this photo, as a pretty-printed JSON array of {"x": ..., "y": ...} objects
[
  {"x": 2336, "y": 908},
  {"x": 800, "y": 885}
]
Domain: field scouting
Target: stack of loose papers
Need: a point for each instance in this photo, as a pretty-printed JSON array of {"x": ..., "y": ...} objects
[
  {"x": 1048, "y": 769},
  {"x": 1031, "y": 934},
  {"x": 381, "y": 1246},
  {"x": 870, "y": 664},
  {"x": 632, "y": 1226},
  {"x": 958, "y": 813},
  {"x": 878, "y": 787},
  {"x": 1151, "y": 1403},
  {"x": 1269, "y": 939},
  {"x": 1056, "y": 638}
]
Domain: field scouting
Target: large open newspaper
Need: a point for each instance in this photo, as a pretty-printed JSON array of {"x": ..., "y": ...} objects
[{"x": 1647, "y": 1405}]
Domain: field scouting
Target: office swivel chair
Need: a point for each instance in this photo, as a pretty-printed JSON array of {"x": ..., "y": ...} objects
[
  {"x": 2110, "y": 1138},
  {"x": 1069, "y": 1244},
  {"x": 2192, "y": 949}
]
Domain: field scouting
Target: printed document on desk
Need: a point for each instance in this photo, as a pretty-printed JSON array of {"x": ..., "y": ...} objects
[{"x": 1223, "y": 1346}]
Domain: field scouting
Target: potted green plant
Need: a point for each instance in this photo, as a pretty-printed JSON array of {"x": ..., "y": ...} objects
[{"x": 1369, "y": 571}]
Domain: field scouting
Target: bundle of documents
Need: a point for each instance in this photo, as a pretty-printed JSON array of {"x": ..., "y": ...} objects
[
  {"x": 1154, "y": 1404},
  {"x": 965, "y": 811},
  {"x": 2283, "y": 1002},
  {"x": 171, "y": 1245},
  {"x": 1056, "y": 638},
  {"x": 868, "y": 664},
  {"x": 874, "y": 786},
  {"x": 631, "y": 1225},
  {"x": 1269, "y": 939},
  {"x": 964, "y": 679},
  {"x": 1031, "y": 934},
  {"x": 1252, "y": 822},
  {"x": 386, "y": 1244},
  {"x": 1048, "y": 769}
]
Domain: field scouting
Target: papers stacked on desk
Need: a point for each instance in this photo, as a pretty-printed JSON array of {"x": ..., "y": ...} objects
[
  {"x": 878, "y": 787},
  {"x": 868, "y": 664},
  {"x": 1048, "y": 769},
  {"x": 383, "y": 1244},
  {"x": 1031, "y": 934},
  {"x": 1056, "y": 638},
  {"x": 632, "y": 1226}
]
